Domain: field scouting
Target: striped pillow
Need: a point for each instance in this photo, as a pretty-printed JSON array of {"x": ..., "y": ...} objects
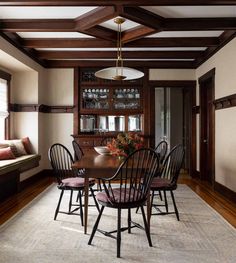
[{"x": 17, "y": 147}]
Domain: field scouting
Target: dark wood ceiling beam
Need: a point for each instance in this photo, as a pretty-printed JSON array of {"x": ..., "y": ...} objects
[
  {"x": 136, "y": 33},
  {"x": 114, "y": 2},
  {"x": 95, "y": 17},
  {"x": 67, "y": 43},
  {"x": 37, "y": 25},
  {"x": 143, "y": 17},
  {"x": 16, "y": 41},
  {"x": 226, "y": 23},
  {"x": 113, "y": 54},
  {"x": 101, "y": 32},
  {"x": 137, "y": 64},
  {"x": 98, "y": 43},
  {"x": 68, "y": 25},
  {"x": 224, "y": 39}
]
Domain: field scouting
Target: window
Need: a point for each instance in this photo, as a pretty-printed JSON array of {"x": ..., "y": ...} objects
[{"x": 4, "y": 82}]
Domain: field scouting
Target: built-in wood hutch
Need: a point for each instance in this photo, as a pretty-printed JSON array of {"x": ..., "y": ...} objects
[{"x": 104, "y": 108}]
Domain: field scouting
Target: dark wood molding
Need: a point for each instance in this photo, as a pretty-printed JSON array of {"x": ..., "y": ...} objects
[
  {"x": 5, "y": 75},
  {"x": 34, "y": 178},
  {"x": 196, "y": 109},
  {"x": 40, "y": 108},
  {"x": 102, "y": 64},
  {"x": 76, "y": 100},
  {"x": 95, "y": 17},
  {"x": 115, "y": 2},
  {"x": 16, "y": 41},
  {"x": 225, "y": 102},
  {"x": 113, "y": 54},
  {"x": 195, "y": 174},
  {"x": 207, "y": 126},
  {"x": 99, "y": 43},
  {"x": 224, "y": 39},
  {"x": 226, "y": 192},
  {"x": 210, "y": 74}
]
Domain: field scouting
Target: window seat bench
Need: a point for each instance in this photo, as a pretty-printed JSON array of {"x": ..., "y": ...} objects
[{"x": 10, "y": 171}]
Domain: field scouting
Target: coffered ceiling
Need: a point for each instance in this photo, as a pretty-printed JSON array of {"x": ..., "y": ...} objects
[{"x": 164, "y": 33}]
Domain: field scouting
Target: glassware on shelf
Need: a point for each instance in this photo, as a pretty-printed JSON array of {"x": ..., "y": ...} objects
[
  {"x": 135, "y": 122},
  {"x": 87, "y": 123}
]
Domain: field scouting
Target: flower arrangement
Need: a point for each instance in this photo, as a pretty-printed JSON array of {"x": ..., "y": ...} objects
[{"x": 125, "y": 144}]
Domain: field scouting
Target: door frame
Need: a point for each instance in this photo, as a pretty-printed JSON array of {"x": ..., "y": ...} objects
[
  {"x": 187, "y": 84},
  {"x": 203, "y": 81}
]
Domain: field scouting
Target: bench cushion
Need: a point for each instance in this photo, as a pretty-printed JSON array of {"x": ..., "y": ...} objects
[{"x": 22, "y": 163}]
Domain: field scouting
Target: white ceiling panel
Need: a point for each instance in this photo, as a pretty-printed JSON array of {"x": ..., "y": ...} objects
[
  {"x": 43, "y": 12},
  {"x": 191, "y": 12},
  {"x": 52, "y": 35},
  {"x": 187, "y": 34}
]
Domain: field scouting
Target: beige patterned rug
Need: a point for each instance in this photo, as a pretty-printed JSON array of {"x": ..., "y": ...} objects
[{"x": 33, "y": 236}]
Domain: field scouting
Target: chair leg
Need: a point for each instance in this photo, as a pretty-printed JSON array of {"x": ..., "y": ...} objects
[
  {"x": 147, "y": 230},
  {"x": 129, "y": 220},
  {"x": 118, "y": 232},
  {"x": 176, "y": 210},
  {"x": 152, "y": 198},
  {"x": 70, "y": 201},
  {"x": 94, "y": 198},
  {"x": 58, "y": 205},
  {"x": 99, "y": 185},
  {"x": 166, "y": 203},
  {"x": 81, "y": 207},
  {"x": 160, "y": 194},
  {"x": 96, "y": 225}
]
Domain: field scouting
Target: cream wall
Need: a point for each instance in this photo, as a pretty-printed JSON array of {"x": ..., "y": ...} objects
[
  {"x": 59, "y": 87},
  {"x": 24, "y": 87},
  {"x": 224, "y": 61},
  {"x": 59, "y": 126},
  {"x": 172, "y": 74}
]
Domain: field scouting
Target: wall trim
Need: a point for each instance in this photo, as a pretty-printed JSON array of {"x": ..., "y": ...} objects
[
  {"x": 225, "y": 102},
  {"x": 40, "y": 108},
  {"x": 226, "y": 192},
  {"x": 34, "y": 178}
]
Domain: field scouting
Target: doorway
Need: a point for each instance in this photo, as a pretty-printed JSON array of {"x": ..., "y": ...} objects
[
  {"x": 207, "y": 127},
  {"x": 173, "y": 118}
]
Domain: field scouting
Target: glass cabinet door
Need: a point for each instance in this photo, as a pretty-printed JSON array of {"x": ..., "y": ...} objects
[
  {"x": 126, "y": 98},
  {"x": 95, "y": 98},
  {"x": 135, "y": 122},
  {"x": 111, "y": 123}
]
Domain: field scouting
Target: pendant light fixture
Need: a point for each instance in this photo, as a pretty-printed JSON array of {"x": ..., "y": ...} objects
[{"x": 119, "y": 72}]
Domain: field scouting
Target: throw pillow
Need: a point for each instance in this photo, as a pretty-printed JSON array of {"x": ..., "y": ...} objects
[
  {"x": 17, "y": 147},
  {"x": 6, "y": 154},
  {"x": 27, "y": 145},
  {"x": 3, "y": 145}
]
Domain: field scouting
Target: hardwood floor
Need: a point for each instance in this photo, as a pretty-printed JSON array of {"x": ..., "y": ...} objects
[
  {"x": 223, "y": 206},
  {"x": 227, "y": 209}
]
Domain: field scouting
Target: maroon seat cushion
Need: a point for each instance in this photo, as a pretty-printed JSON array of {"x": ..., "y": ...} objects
[
  {"x": 158, "y": 182},
  {"x": 120, "y": 196},
  {"x": 76, "y": 182}
]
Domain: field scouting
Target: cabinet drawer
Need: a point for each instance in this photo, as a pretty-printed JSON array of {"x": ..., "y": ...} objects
[
  {"x": 97, "y": 142},
  {"x": 86, "y": 142}
]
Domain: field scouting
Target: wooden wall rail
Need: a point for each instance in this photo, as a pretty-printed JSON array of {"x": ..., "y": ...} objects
[
  {"x": 225, "y": 102},
  {"x": 41, "y": 108}
]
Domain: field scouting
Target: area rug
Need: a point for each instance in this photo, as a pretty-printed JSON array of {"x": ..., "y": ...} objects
[{"x": 201, "y": 235}]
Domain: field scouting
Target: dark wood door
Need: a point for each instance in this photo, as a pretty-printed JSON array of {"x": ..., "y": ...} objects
[{"x": 207, "y": 155}]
